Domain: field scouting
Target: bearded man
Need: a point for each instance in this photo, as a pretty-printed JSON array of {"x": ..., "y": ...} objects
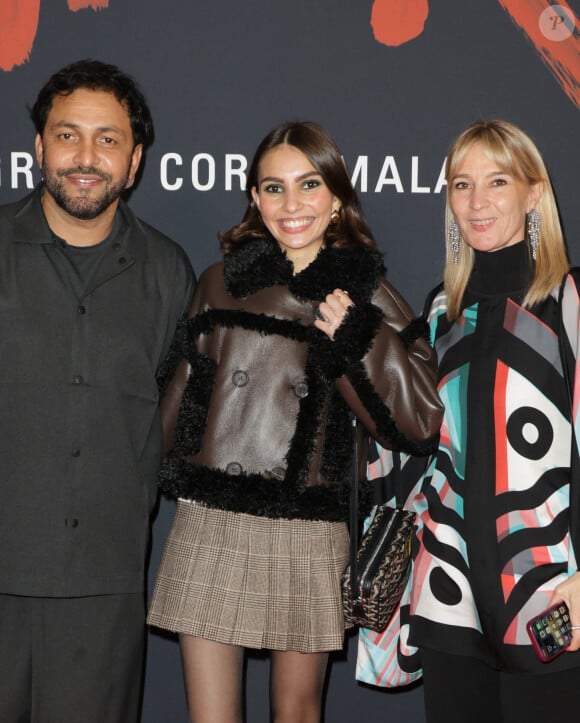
[{"x": 89, "y": 300}]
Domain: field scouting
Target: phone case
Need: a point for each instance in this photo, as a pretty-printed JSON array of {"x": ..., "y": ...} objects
[{"x": 550, "y": 632}]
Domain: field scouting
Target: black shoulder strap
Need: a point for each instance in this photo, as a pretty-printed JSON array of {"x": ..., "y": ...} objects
[{"x": 353, "y": 506}]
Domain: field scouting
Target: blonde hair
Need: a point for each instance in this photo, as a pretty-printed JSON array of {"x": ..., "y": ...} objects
[{"x": 515, "y": 153}]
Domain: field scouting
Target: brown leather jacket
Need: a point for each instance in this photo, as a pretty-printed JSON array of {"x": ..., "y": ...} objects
[{"x": 256, "y": 409}]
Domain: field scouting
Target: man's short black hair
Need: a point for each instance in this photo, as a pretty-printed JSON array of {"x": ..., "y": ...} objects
[{"x": 95, "y": 75}]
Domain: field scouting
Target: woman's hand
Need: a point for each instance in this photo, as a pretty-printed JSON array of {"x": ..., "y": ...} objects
[
  {"x": 569, "y": 592},
  {"x": 332, "y": 312}
]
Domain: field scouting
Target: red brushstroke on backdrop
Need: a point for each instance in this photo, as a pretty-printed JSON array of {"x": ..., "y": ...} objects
[
  {"x": 395, "y": 22},
  {"x": 18, "y": 24},
  {"x": 561, "y": 56},
  {"x": 75, "y": 5}
]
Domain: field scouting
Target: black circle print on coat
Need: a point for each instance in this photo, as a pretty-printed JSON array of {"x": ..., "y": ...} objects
[
  {"x": 446, "y": 590},
  {"x": 520, "y": 438}
]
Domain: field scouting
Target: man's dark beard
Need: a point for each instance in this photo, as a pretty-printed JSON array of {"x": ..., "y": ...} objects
[{"x": 82, "y": 207}]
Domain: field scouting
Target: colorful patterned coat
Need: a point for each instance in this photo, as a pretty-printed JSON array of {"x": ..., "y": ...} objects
[{"x": 499, "y": 505}]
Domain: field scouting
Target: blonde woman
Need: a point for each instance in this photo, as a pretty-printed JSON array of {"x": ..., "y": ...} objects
[{"x": 499, "y": 510}]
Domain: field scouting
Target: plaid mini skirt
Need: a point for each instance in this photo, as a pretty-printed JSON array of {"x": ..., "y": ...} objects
[{"x": 252, "y": 581}]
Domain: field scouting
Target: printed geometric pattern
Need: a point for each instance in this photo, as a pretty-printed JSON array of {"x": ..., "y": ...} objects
[{"x": 518, "y": 382}]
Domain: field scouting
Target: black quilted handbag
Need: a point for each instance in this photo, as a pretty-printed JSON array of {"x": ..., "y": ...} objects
[{"x": 374, "y": 581}]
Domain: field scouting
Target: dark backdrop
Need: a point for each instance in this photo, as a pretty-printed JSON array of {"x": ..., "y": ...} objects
[{"x": 220, "y": 73}]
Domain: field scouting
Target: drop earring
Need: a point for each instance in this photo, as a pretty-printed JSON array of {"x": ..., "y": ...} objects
[
  {"x": 534, "y": 231},
  {"x": 454, "y": 238}
]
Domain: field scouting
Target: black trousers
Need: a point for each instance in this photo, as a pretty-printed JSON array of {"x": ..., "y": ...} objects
[
  {"x": 459, "y": 689},
  {"x": 67, "y": 660}
]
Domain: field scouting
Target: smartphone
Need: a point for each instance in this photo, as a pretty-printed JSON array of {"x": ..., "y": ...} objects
[{"x": 550, "y": 632}]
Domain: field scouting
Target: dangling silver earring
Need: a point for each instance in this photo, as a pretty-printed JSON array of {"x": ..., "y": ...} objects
[
  {"x": 454, "y": 238},
  {"x": 534, "y": 231}
]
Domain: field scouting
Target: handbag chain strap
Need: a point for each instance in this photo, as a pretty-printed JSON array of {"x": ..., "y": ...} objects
[{"x": 354, "y": 510}]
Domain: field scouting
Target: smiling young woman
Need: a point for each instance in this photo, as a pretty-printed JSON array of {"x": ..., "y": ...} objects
[{"x": 296, "y": 327}]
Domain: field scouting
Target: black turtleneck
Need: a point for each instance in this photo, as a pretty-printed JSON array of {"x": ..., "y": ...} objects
[{"x": 506, "y": 272}]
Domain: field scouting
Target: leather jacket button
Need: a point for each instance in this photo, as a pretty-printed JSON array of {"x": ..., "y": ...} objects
[
  {"x": 301, "y": 390},
  {"x": 234, "y": 468},
  {"x": 77, "y": 379},
  {"x": 82, "y": 310},
  {"x": 240, "y": 378}
]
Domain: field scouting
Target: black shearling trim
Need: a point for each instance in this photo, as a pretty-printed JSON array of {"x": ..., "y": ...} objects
[
  {"x": 194, "y": 405},
  {"x": 418, "y": 328},
  {"x": 329, "y": 363},
  {"x": 258, "y": 495},
  {"x": 303, "y": 443},
  {"x": 206, "y": 321},
  {"x": 356, "y": 270},
  {"x": 380, "y": 413},
  {"x": 174, "y": 355},
  {"x": 355, "y": 335},
  {"x": 261, "y": 263},
  {"x": 352, "y": 340},
  {"x": 337, "y": 449},
  {"x": 256, "y": 265}
]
